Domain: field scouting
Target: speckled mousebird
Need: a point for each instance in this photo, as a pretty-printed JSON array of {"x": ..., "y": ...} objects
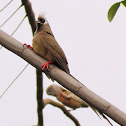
[
  {"x": 71, "y": 100},
  {"x": 45, "y": 44}
]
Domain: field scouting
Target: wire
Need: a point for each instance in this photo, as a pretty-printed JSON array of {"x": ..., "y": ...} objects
[
  {"x": 6, "y": 6},
  {"x": 13, "y": 81},
  {"x": 18, "y": 25},
  {"x": 16, "y": 28},
  {"x": 11, "y": 16}
]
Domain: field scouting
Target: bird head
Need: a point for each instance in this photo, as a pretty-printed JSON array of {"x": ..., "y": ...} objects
[
  {"x": 54, "y": 90},
  {"x": 40, "y": 22}
]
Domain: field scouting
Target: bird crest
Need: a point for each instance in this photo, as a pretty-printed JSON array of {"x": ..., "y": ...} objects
[{"x": 42, "y": 18}]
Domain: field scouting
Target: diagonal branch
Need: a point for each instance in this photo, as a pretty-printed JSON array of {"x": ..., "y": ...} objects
[
  {"x": 64, "y": 79},
  {"x": 65, "y": 111}
]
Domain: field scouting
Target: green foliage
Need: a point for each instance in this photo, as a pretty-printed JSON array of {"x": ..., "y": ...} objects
[
  {"x": 124, "y": 3},
  {"x": 112, "y": 11}
]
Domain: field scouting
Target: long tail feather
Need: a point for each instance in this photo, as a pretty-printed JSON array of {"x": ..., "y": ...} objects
[{"x": 102, "y": 114}]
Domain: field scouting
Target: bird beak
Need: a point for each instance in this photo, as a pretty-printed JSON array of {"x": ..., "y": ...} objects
[{"x": 38, "y": 22}]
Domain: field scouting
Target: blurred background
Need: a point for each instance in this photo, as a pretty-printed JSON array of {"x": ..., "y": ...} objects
[{"x": 94, "y": 47}]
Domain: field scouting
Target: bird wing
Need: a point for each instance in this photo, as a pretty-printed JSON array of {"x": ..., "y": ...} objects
[
  {"x": 55, "y": 51},
  {"x": 68, "y": 95},
  {"x": 68, "y": 101},
  {"x": 74, "y": 97}
]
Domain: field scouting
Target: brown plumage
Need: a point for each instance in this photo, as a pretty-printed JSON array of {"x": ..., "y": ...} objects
[
  {"x": 66, "y": 97},
  {"x": 69, "y": 99},
  {"x": 45, "y": 44}
]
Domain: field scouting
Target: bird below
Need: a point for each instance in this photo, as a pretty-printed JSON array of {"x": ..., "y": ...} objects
[
  {"x": 66, "y": 97},
  {"x": 69, "y": 99},
  {"x": 45, "y": 45}
]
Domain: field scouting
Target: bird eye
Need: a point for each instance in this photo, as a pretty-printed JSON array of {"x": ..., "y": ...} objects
[
  {"x": 42, "y": 20},
  {"x": 63, "y": 90}
]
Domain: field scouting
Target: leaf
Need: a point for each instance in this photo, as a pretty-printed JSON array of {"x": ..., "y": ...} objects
[
  {"x": 112, "y": 11},
  {"x": 124, "y": 3}
]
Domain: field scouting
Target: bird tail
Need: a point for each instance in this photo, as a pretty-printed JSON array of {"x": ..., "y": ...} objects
[
  {"x": 74, "y": 77},
  {"x": 49, "y": 77},
  {"x": 94, "y": 109},
  {"x": 102, "y": 114}
]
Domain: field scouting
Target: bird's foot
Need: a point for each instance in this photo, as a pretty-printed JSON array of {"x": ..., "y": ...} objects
[
  {"x": 46, "y": 65},
  {"x": 28, "y": 46}
]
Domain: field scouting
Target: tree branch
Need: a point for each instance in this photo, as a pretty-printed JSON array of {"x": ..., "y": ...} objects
[
  {"x": 64, "y": 79},
  {"x": 39, "y": 97},
  {"x": 39, "y": 75},
  {"x": 65, "y": 111},
  {"x": 30, "y": 14}
]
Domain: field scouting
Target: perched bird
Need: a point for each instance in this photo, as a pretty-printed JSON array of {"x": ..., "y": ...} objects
[
  {"x": 66, "y": 97},
  {"x": 69, "y": 99},
  {"x": 45, "y": 44}
]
